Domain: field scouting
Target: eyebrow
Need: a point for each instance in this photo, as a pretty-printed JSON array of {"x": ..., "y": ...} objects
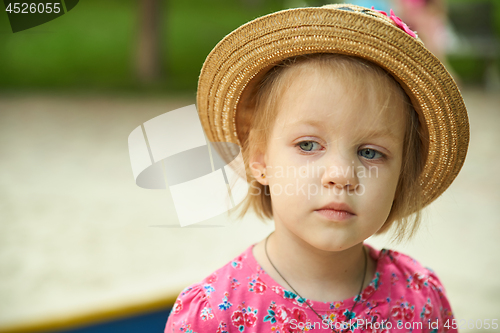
[
  {"x": 311, "y": 122},
  {"x": 368, "y": 133},
  {"x": 378, "y": 133}
]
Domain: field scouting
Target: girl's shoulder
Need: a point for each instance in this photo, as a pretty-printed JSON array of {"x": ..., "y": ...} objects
[
  {"x": 231, "y": 276},
  {"x": 414, "y": 286},
  {"x": 416, "y": 275},
  {"x": 200, "y": 305}
]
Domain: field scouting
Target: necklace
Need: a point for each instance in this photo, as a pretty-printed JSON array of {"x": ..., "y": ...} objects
[{"x": 305, "y": 301}]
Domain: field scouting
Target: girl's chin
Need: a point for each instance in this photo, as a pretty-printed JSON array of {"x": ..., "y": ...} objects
[{"x": 329, "y": 244}]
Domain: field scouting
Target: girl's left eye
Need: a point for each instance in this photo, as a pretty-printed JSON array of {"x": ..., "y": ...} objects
[
  {"x": 308, "y": 146},
  {"x": 370, "y": 154}
]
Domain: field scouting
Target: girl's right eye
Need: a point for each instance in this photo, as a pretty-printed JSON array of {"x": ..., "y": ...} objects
[{"x": 308, "y": 146}]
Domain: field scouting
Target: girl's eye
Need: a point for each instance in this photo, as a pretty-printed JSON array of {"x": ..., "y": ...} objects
[
  {"x": 308, "y": 146},
  {"x": 370, "y": 154}
]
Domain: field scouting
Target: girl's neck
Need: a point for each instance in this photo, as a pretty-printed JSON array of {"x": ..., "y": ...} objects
[{"x": 315, "y": 274}]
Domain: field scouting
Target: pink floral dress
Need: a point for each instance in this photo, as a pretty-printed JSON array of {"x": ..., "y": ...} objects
[{"x": 402, "y": 296}]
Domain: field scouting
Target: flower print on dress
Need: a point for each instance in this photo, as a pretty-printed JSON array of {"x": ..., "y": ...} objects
[
  {"x": 394, "y": 278},
  {"x": 185, "y": 327},
  {"x": 238, "y": 262},
  {"x": 446, "y": 314},
  {"x": 234, "y": 283},
  {"x": 370, "y": 289},
  {"x": 348, "y": 315},
  {"x": 222, "y": 328},
  {"x": 297, "y": 300},
  {"x": 439, "y": 290},
  {"x": 212, "y": 278},
  {"x": 177, "y": 306},
  {"x": 366, "y": 294},
  {"x": 336, "y": 305},
  {"x": 372, "y": 304},
  {"x": 403, "y": 312},
  {"x": 436, "y": 286},
  {"x": 373, "y": 327},
  {"x": 370, "y": 318},
  {"x": 208, "y": 289},
  {"x": 257, "y": 285},
  {"x": 244, "y": 317},
  {"x": 340, "y": 318},
  {"x": 417, "y": 281},
  {"x": 278, "y": 290},
  {"x": 426, "y": 311},
  {"x": 286, "y": 320},
  {"x": 260, "y": 270},
  {"x": 298, "y": 321},
  {"x": 333, "y": 318},
  {"x": 225, "y": 302},
  {"x": 376, "y": 280},
  {"x": 271, "y": 313},
  {"x": 392, "y": 255},
  {"x": 206, "y": 314},
  {"x": 431, "y": 271},
  {"x": 186, "y": 290}
]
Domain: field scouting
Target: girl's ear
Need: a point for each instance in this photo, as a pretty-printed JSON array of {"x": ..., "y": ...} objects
[{"x": 258, "y": 167}]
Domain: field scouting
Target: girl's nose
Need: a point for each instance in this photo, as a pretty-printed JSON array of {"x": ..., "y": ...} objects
[{"x": 340, "y": 175}]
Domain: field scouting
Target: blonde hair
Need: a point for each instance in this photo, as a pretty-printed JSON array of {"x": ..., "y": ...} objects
[{"x": 405, "y": 213}]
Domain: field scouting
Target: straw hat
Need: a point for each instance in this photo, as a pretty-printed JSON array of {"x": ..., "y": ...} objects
[{"x": 240, "y": 60}]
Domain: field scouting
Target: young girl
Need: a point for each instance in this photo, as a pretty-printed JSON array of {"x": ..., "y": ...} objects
[{"x": 348, "y": 127}]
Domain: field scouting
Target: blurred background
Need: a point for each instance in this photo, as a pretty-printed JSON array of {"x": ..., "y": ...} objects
[{"x": 83, "y": 249}]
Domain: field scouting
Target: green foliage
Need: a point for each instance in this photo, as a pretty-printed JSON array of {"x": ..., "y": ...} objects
[
  {"x": 90, "y": 46},
  {"x": 471, "y": 69},
  {"x": 193, "y": 30},
  {"x": 95, "y": 45}
]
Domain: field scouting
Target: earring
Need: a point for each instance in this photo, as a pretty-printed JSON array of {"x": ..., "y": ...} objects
[{"x": 263, "y": 176}]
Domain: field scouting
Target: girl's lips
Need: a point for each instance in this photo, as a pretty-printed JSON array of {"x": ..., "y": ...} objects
[
  {"x": 338, "y": 206},
  {"x": 335, "y": 215}
]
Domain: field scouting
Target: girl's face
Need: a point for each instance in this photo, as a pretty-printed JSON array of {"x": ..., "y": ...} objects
[{"x": 333, "y": 142}]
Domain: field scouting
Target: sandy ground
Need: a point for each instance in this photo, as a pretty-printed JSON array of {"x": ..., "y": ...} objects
[{"x": 78, "y": 236}]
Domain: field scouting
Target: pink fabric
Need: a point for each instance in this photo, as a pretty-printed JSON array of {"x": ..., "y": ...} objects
[{"x": 242, "y": 297}]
